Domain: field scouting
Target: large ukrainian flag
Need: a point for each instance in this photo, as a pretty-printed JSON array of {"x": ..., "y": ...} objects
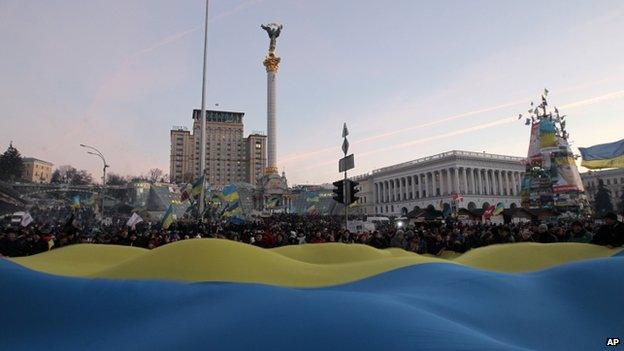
[
  {"x": 209, "y": 294},
  {"x": 610, "y": 155}
]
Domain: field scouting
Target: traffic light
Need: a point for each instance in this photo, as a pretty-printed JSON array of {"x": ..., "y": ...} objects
[
  {"x": 338, "y": 191},
  {"x": 352, "y": 191}
]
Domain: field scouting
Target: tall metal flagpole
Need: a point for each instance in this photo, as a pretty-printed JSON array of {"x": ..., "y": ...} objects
[{"x": 202, "y": 148}]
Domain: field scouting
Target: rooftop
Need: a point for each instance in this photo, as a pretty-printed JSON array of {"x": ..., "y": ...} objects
[
  {"x": 451, "y": 154},
  {"x": 220, "y": 116},
  {"x": 603, "y": 173},
  {"x": 32, "y": 159}
]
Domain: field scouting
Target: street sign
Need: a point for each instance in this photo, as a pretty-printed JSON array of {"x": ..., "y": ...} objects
[
  {"x": 345, "y": 146},
  {"x": 346, "y": 163},
  {"x": 345, "y": 131}
]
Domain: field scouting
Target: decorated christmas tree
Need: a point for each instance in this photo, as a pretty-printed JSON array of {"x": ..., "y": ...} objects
[{"x": 552, "y": 179}]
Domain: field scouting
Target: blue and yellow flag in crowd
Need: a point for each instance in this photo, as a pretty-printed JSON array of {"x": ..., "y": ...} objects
[
  {"x": 198, "y": 184},
  {"x": 498, "y": 209},
  {"x": 234, "y": 210},
  {"x": 610, "y": 155},
  {"x": 230, "y": 193},
  {"x": 272, "y": 202},
  {"x": 521, "y": 296},
  {"x": 167, "y": 218},
  {"x": 231, "y": 200},
  {"x": 215, "y": 200},
  {"x": 312, "y": 197},
  {"x": 76, "y": 201}
]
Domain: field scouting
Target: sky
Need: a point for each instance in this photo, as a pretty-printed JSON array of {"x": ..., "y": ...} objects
[{"x": 410, "y": 78}]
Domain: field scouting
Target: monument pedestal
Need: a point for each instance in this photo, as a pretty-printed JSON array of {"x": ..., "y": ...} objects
[{"x": 273, "y": 189}]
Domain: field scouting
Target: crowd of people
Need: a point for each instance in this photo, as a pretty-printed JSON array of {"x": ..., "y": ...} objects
[{"x": 51, "y": 229}]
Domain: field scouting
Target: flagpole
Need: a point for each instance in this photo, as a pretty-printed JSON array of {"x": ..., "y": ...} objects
[{"x": 202, "y": 149}]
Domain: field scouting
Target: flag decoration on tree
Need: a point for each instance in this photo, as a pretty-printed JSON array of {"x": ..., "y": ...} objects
[{"x": 551, "y": 178}]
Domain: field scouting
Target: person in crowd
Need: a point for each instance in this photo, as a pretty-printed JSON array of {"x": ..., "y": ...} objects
[
  {"x": 9, "y": 246},
  {"x": 579, "y": 234},
  {"x": 54, "y": 228},
  {"x": 379, "y": 241},
  {"x": 561, "y": 234},
  {"x": 398, "y": 240},
  {"x": 345, "y": 237},
  {"x": 544, "y": 235},
  {"x": 611, "y": 233},
  {"x": 318, "y": 238}
]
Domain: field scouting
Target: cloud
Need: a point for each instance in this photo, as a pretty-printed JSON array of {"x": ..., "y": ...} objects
[
  {"x": 433, "y": 121},
  {"x": 498, "y": 122}
]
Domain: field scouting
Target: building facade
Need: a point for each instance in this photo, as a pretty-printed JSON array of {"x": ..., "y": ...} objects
[
  {"x": 182, "y": 163},
  {"x": 228, "y": 156},
  {"x": 365, "y": 204},
  {"x": 481, "y": 179},
  {"x": 255, "y": 149},
  {"x": 36, "y": 171},
  {"x": 613, "y": 179}
]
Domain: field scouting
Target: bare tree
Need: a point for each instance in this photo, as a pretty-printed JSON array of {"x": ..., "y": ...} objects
[
  {"x": 69, "y": 175},
  {"x": 188, "y": 177},
  {"x": 154, "y": 174},
  {"x": 115, "y": 179}
]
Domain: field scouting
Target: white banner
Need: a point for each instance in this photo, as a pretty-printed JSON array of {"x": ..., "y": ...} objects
[
  {"x": 26, "y": 220},
  {"x": 134, "y": 220}
]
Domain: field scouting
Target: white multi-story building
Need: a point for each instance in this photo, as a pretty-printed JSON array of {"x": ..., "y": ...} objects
[{"x": 481, "y": 179}]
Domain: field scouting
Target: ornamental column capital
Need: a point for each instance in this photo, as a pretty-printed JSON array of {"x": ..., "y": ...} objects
[{"x": 271, "y": 62}]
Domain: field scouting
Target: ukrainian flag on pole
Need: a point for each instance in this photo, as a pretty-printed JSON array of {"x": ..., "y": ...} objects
[
  {"x": 610, "y": 155},
  {"x": 197, "y": 187},
  {"x": 167, "y": 219}
]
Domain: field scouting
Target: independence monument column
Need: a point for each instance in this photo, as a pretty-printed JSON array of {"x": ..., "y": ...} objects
[{"x": 271, "y": 62}]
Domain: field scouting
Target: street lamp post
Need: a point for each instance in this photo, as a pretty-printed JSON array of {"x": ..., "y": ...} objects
[{"x": 101, "y": 156}]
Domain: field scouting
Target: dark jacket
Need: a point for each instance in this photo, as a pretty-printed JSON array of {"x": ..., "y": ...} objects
[{"x": 612, "y": 235}]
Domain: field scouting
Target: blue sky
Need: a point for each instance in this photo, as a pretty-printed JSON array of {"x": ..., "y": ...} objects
[{"x": 411, "y": 78}]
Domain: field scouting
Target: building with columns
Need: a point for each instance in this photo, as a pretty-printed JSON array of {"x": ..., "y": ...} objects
[{"x": 481, "y": 179}]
